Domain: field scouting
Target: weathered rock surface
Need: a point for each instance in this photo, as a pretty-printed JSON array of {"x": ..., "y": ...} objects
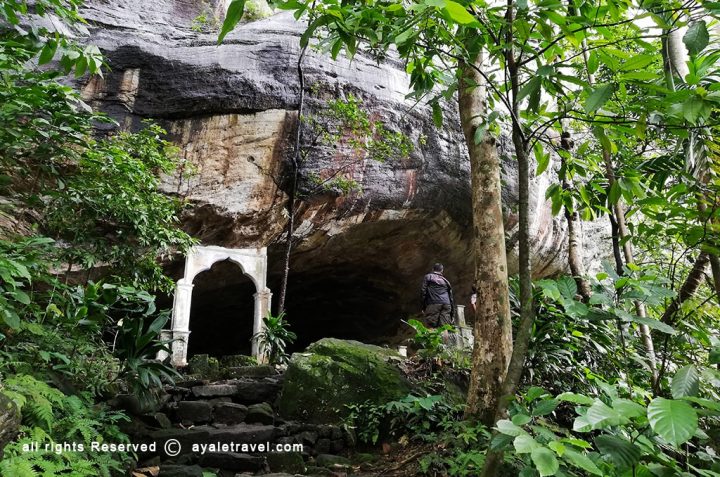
[
  {"x": 10, "y": 419},
  {"x": 331, "y": 374},
  {"x": 232, "y": 109}
]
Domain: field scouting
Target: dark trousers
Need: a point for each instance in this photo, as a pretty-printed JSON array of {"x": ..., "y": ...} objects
[{"x": 438, "y": 315}]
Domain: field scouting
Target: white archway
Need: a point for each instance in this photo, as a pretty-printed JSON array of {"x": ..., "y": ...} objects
[{"x": 252, "y": 261}]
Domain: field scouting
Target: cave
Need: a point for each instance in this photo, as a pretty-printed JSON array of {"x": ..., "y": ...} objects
[
  {"x": 344, "y": 301},
  {"x": 221, "y": 315}
]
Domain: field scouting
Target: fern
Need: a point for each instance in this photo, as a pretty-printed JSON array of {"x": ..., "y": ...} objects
[{"x": 17, "y": 467}]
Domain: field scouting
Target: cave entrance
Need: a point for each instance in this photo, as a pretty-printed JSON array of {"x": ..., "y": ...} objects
[
  {"x": 216, "y": 319},
  {"x": 221, "y": 312}
]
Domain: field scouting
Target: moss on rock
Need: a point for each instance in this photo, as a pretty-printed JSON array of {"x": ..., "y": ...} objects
[{"x": 333, "y": 373}]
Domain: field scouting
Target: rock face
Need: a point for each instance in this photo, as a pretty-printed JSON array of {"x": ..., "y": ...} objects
[
  {"x": 331, "y": 374},
  {"x": 233, "y": 111}
]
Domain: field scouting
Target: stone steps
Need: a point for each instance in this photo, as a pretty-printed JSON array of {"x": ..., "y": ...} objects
[{"x": 226, "y": 425}]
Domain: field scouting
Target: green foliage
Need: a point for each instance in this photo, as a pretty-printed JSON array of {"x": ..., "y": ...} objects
[
  {"x": 274, "y": 338},
  {"x": 611, "y": 435},
  {"x": 136, "y": 346},
  {"x": 51, "y": 418},
  {"x": 112, "y": 211},
  {"x": 90, "y": 202},
  {"x": 430, "y": 340},
  {"x": 425, "y": 420}
]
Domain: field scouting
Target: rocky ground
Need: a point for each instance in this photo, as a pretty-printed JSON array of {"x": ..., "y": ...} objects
[{"x": 234, "y": 401}]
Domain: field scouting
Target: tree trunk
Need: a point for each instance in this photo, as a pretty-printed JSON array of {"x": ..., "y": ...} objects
[
  {"x": 688, "y": 288},
  {"x": 297, "y": 154},
  {"x": 577, "y": 268},
  {"x": 493, "y": 328},
  {"x": 624, "y": 235},
  {"x": 527, "y": 307},
  {"x": 715, "y": 267}
]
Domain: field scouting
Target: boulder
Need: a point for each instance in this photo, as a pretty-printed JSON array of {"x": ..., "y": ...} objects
[
  {"x": 333, "y": 373},
  {"x": 194, "y": 412},
  {"x": 9, "y": 421},
  {"x": 214, "y": 390},
  {"x": 329, "y": 460},
  {"x": 291, "y": 462},
  {"x": 254, "y": 392},
  {"x": 204, "y": 366},
  {"x": 249, "y": 372},
  {"x": 229, "y": 413},
  {"x": 237, "y": 360},
  {"x": 260, "y": 414}
]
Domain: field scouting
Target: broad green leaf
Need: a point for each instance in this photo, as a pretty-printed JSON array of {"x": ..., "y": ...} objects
[
  {"x": 637, "y": 62},
  {"x": 696, "y": 38},
  {"x": 653, "y": 323},
  {"x": 692, "y": 108},
  {"x": 675, "y": 421},
  {"x": 530, "y": 88},
  {"x": 714, "y": 357},
  {"x": 558, "y": 447},
  {"x": 582, "y": 461},
  {"x": 525, "y": 444},
  {"x": 575, "y": 398},
  {"x": 507, "y": 427},
  {"x": 21, "y": 296},
  {"x": 48, "y": 52},
  {"x": 599, "y": 97},
  {"x": 577, "y": 443},
  {"x": 567, "y": 287},
  {"x": 706, "y": 403},
  {"x": 232, "y": 17},
  {"x": 534, "y": 392},
  {"x": 686, "y": 382},
  {"x": 543, "y": 161},
  {"x": 623, "y": 453},
  {"x": 627, "y": 408},
  {"x": 459, "y": 14},
  {"x": 11, "y": 318},
  {"x": 544, "y": 408},
  {"x": 600, "y": 415},
  {"x": 521, "y": 419},
  {"x": 545, "y": 461}
]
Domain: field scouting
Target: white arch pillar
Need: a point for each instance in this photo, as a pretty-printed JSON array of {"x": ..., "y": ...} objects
[{"x": 253, "y": 263}]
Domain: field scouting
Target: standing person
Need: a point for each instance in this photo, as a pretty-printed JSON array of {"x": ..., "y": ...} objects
[{"x": 437, "y": 298}]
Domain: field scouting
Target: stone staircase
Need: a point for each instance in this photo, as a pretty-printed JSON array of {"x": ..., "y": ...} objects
[{"x": 225, "y": 426}]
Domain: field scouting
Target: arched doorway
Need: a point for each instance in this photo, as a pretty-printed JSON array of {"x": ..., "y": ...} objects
[
  {"x": 221, "y": 311},
  {"x": 251, "y": 262}
]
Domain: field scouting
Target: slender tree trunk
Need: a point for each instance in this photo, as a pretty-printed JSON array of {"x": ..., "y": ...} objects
[
  {"x": 617, "y": 255},
  {"x": 297, "y": 153},
  {"x": 493, "y": 328},
  {"x": 493, "y": 459},
  {"x": 577, "y": 268},
  {"x": 715, "y": 267},
  {"x": 627, "y": 249},
  {"x": 688, "y": 288}
]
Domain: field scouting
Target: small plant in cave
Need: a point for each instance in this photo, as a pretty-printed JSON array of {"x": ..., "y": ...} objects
[
  {"x": 275, "y": 337},
  {"x": 430, "y": 340}
]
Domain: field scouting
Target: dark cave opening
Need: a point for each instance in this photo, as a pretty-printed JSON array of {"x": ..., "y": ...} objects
[
  {"x": 221, "y": 315},
  {"x": 342, "y": 301}
]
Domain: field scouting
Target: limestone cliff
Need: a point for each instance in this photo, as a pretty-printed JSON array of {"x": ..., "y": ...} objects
[{"x": 232, "y": 110}]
